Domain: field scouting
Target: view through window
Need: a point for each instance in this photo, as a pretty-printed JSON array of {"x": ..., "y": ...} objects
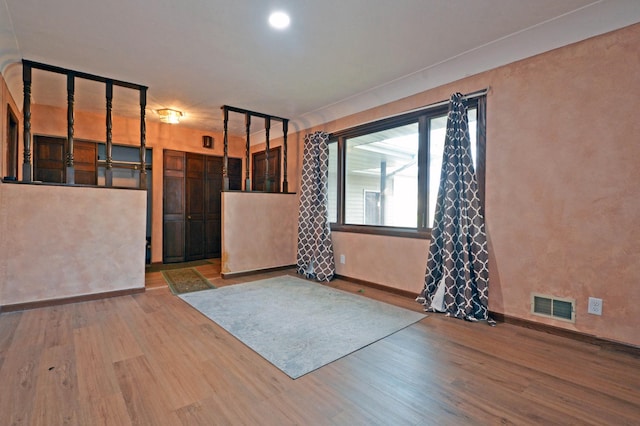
[{"x": 378, "y": 182}]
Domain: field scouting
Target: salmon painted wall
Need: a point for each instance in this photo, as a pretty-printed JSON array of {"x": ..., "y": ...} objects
[
  {"x": 49, "y": 251},
  {"x": 51, "y": 121},
  {"x": 259, "y": 231},
  {"x": 562, "y": 193},
  {"x": 563, "y": 201}
]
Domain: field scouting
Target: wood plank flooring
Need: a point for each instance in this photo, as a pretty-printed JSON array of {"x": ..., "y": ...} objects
[{"x": 150, "y": 359}]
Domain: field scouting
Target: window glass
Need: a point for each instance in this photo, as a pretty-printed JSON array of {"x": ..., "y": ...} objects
[
  {"x": 381, "y": 178},
  {"x": 332, "y": 192}
]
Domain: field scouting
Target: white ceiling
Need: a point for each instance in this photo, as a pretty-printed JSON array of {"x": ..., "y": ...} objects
[{"x": 338, "y": 56}]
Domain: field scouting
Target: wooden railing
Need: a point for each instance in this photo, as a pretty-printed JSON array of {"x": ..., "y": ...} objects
[
  {"x": 267, "y": 125},
  {"x": 27, "y": 168}
]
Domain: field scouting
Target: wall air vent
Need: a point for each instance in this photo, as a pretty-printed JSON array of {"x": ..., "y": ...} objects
[{"x": 553, "y": 307}]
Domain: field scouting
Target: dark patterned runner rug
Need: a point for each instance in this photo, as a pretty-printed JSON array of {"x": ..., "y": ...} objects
[
  {"x": 166, "y": 266},
  {"x": 186, "y": 280}
]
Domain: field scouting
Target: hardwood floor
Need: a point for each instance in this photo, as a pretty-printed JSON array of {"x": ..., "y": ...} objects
[{"x": 150, "y": 359}]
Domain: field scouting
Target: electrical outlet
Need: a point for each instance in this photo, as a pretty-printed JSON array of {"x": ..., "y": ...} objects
[
  {"x": 342, "y": 259},
  {"x": 595, "y": 306}
]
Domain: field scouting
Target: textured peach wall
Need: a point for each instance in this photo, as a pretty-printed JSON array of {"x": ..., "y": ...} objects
[
  {"x": 259, "y": 231},
  {"x": 563, "y": 199},
  {"x": 62, "y": 241},
  {"x": 376, "y": 259},
  {"x": 562, "y": 182}
]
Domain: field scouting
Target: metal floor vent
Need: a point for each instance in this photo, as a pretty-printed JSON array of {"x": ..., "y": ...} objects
[{"x": 553, "y": 307}]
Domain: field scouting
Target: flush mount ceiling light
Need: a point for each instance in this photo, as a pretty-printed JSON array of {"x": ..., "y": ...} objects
[
  {"x": 279, "y": 20},
  {"x": 170, "y": 116}
]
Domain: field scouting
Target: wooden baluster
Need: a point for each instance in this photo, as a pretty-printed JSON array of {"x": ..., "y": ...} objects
[
  {"x": 108, "y": 173},
  {"x": 143, "y": 138},
  {"x": 26, "y": 132},
  {"x": 70, "y": 101},
  {"x": 225, "y": 158},
  {"x": 247, "y": 179},
  {"x": 285, "y": 129},
  {"x": 267, "y": 128}
]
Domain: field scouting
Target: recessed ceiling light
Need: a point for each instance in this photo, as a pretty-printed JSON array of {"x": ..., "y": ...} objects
[{"x": 279, "y": 20}]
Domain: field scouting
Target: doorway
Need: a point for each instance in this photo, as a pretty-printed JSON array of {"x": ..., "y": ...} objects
[
  {"x": 192, "y": 214},
  {"x": 12, "y": 145}
]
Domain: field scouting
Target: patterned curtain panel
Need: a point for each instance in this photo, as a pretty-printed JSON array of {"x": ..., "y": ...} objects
[
  {"x": 315, "y": 252},
  {"x": 457, "y": 276}
]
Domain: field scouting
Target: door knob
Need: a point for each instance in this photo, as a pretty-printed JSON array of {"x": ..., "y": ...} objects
[{"x": 189, "y": 217}]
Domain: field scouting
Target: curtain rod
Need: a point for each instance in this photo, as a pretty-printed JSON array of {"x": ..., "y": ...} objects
[{"x": 471, "y": 95}]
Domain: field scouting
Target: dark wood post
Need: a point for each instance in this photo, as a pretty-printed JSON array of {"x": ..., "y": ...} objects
[
  {"x": 71, "y": 89},
  {"x": 27, "y": 175},
  {"x": 225, "y": 158},
  {"x": 247, "y": 179},
  {"x": 108, "y": 173},
  {"x": 267, "y": 128},
  {"x": 285, "y": 129},
  {"x": 143, "y": 138}
]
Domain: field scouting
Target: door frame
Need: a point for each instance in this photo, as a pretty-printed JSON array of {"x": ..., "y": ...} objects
[{"x": 13, "y": 143}]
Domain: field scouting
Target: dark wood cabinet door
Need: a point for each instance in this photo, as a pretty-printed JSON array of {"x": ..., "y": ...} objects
[
  {"x": 49, "y": 160},
  {"x": 173, "y": 207},
  {"x": 235, "y": 174},
  {"x": 258, "y": 170},
  {"x": 85, "y": 163}
]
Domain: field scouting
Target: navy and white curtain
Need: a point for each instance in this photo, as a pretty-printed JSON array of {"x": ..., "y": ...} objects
[
  {"x": 315, "y": 251},
  {"x": 457, "y": 276}
]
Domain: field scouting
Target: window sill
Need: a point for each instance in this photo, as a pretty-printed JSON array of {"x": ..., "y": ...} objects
[{"x": 383, "y": 230}]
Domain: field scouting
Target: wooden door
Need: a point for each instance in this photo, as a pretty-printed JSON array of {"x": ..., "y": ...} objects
[
  {"x": 195, "y": 204},
  {"x": 49, "y": 160},
  {"x": 235, "y": 173},
  {"x": 213, "y": 210},
  {"x": 85, "y": 163},
  {"x": 173, "y": 207},
  {"x": 192, "y": 204},
  {"x": 258, "y": 171}
]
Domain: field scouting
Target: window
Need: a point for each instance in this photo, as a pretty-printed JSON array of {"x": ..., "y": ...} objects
[
  {"x": 384, "y": 176},
  {"x": 381, "y": 177}
]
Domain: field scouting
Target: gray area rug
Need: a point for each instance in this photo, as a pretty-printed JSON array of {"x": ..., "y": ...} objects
[{"x": 298, "y": 325}]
